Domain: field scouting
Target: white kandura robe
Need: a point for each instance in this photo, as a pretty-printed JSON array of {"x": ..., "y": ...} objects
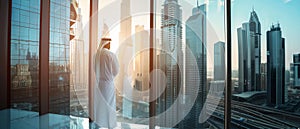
[{"x": 106, "y": 68}]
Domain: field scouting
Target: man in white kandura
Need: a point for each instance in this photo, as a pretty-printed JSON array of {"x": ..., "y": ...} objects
[{"x": 107, "y": 67}]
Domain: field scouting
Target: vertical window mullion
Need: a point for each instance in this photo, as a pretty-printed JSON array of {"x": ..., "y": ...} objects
[
  {"x": 153, "y": 103},
  {"x": 44, "y": 57},
  {"x": 93, "y": 29},
  {"x": 5, "y": 21},
  {"x": 227, "y": 112}
]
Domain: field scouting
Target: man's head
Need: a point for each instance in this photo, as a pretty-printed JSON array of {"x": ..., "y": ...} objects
[{"x": 105, "y": 42}]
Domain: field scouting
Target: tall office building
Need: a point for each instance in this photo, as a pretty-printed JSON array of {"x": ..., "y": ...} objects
[
  {"x": 125, "y": 23},
  {"x": 79, "y": 69},
  {"x": 219, "y": 61},
  {"x": 255, "y": 51},
  {"x": 287, "y": 84},
  {"x": 249, "y": 43},
  {"x": 263, "y": 76},
  {"x": 275, "y": 66},
  {"x": 295, "y": 71},
  {"x": 243, "y": 57},
  {"x": 196, "y": 38},
  {"x": 171, "y": 35},
  {"x": 142, "y": 55},
  {"x": 125, "y": 41}
]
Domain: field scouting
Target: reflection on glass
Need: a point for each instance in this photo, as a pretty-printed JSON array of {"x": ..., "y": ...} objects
[
  {"x": 25, "y": 54},
  {"x": 79, "y": 58},
  {"x": 265, "y": 51},
  {"x": 186, "y": 41},
  {"x": 59, "y": 59}
]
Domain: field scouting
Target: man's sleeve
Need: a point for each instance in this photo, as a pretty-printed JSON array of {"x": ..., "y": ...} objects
[{"x": 115, "y": 65}]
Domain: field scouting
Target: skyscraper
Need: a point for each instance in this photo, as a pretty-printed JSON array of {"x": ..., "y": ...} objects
[
  {"x": 141, "y": 55},
  {"x": 255, "y": 51},
  {"x": 125, "y": 23},
  {"x": 195, "y": 48},
  {"x": 295, "y": 71},
  {"x": 219, "y": 61},
  {"x": 79, "y": 70},
  {"x": 126, "y": 41},
  {"x": 275, "y": 66},
  {"x": 171, "y": 35},
  {"x": 263, "y": 76},
  {"x": 249, "y": 41},
  {"x": 287, "y": 84},
  {"x": 243, "y": 57}
]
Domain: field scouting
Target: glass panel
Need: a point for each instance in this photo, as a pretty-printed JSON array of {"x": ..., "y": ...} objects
[
  {"x": 189, "y": 44},
  {"x": 79, "y": 53},
  {"x": 126, "y": 22},
  {"x": 68, "y": 59},
  {"x": 265, "y": 51},
  {"x": 59, "y": 66},
  {"x": 24, "y": 58}
]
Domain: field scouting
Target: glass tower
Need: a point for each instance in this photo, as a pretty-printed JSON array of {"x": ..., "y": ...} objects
[
  {"x": 195, "y": 48},
  {"x": 249, "y": 44},
  {"x": 219, "y": 61},
  {"x": 171, "y": 37},
  {"x": 275, "y": 66}
]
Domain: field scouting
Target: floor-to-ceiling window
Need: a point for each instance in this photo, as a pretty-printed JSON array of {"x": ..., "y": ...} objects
[
  {"x": 25, "y": 21},
  {"x": 59, "y": 57},
  {"x": 187, "y": 74},
  {"x": 127, "y": 22},
  {"x": 190, "y": 57},
  {"x": 79, "y": 51}
]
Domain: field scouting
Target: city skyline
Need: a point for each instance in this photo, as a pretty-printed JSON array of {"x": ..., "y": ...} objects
[
  {"x": 215, "y": 21},
  {"x": 189, "y": 58},
  {"x": 288, "y": 20}
]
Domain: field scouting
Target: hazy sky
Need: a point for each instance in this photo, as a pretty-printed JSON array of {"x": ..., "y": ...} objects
[{"x": 286, "y": 12}]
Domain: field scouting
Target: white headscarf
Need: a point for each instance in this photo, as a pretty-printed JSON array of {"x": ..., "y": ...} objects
[{"x": 103, "y": 42}]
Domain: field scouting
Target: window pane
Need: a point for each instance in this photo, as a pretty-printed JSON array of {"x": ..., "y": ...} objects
[
  {"x": 59, "y": 75},
  {"x": 189, "y": 39},
  {"x": 69, "y": 57},
  {"x": 264, "y": 43},
  {"x": 127, "y": 22},
  {"x": 24, "y": 58},
  {"x": 78, "y": 51}
]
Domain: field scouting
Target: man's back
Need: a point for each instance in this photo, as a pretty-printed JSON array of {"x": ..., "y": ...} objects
[{"x": 109, "y": 66}]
